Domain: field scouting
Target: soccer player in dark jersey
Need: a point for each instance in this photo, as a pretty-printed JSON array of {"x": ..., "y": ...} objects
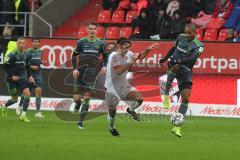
[
  {"x": 182, "y": 56},
  {"x": 86, "y": 66},
  {"x": 16, "y": 65},
  {"x": 34, "y": 57}
]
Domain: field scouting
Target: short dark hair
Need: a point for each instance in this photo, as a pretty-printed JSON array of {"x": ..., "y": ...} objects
[
  {"x": 35, "y": 38},
  {"x": 122, "y": 40},
  {"x": 92, "y": 23},
  {"x": 21, "y": 38},
  {"x": 193, "y": 27}
]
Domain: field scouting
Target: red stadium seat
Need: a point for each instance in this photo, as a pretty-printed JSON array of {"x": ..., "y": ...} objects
[
  {"x": 124, "y": 4},
  {"x": 210, "y": 35},
  {"x": 100, "y": 32},
  {"x": 222, "y": 35},
  {"x": 104, "y": 16},
  {"x": 199, "y": 33},
  {"x": 216, "y": 23},
  {"x": 112, "y": 33},
  {"x": 130, "y": 16},
  {"x": 125, "y": 32},
  {"x": 118, "y": 17},
  {"x": 82, "y": 32}
]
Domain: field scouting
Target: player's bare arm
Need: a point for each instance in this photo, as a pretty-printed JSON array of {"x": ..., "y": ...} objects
[
  {"x": 121, "y": 69},
  {"x": 147, "y": 50}
]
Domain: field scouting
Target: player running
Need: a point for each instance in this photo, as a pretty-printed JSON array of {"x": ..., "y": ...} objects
[
  {"x": 16, "y": 65},
  {"x": 34, "y": 56},
  {"x": 117, "y": 85},
  {"x": 86, "y": 64},
  {"x": 183, "y": 56}
]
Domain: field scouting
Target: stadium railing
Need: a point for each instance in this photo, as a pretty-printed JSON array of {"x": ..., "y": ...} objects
[{"x": 26, "y": 14}]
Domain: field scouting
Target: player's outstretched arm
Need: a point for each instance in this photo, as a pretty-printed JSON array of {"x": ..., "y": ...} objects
[
  {"x": 147, "y": 50},
  {"x": 169, "y": 54}
]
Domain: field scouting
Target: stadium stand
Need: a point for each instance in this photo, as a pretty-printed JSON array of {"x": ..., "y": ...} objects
[
  {"x": 126, "y": 11},
  {"x": 118, "y": 16},
  {"x": 222, "y": 35},
  {"x": 112, "y": 33},
  {"x": 210, "y": 35},
  {"x": 125, "y": 32}
]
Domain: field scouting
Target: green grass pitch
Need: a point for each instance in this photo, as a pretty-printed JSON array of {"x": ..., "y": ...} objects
[{"x": 54, "y": 139}]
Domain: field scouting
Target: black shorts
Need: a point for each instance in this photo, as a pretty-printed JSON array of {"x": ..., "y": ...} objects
[
  {"x": 184, "y": 77},
  {"x": 13, "y": 87},
  {"x": 38, "y": 81},
  {"x": 86, "y": 81}
]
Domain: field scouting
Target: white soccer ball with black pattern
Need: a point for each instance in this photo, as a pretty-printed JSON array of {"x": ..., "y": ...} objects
[{"x": 177, "y": 119}]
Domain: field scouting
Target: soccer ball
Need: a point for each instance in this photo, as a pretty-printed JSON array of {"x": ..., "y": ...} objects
[{"x": 177, "y": 119}]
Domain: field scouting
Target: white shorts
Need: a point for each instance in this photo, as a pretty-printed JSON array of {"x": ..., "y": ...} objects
[{"x": 112, "y": 99}]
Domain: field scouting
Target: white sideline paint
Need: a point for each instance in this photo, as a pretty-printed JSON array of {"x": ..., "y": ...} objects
[{"x": 208, "y": 110}]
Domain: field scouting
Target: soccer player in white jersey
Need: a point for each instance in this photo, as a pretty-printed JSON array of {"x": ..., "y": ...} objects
[{"x": 118, "y": 88}]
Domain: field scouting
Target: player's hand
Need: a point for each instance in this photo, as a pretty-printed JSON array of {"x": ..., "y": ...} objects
[
  {"x": 31, "y": 80},
  {"x": 34, "y": 68},
  {"x": 162, "y": 60},
  {"x": 135, "y": 57},
  {"x": 75, "y": 73},
  {"x": 154, "y": 46},
  {"x": 103, "y": 71},
  {"x": 15, "y": 78}
]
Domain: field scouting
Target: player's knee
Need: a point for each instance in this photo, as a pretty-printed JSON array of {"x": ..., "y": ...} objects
[
  {"x": 185, "y": 99},
  {"x": 38, "y": 92},
  {"x": 26, "y": 97},
  {"x": 26, "y": 93},
  {"x": 86, "y": 101},
  {"x": 139, "y": 101}
]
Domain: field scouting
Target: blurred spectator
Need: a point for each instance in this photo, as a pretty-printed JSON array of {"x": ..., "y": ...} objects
[
  {"x": 5, "y": 38},
  {"x": 7, "y": 6},
  {"x": 186, "y": 7},
  {"x": 110, "y": 4},
  {"x": 151, "y": 7},
  {"x": 197, "y": 7},
  {"x": 202, "y": 19},
  {"x": 161, "y": 4},
  {"x": 178, "y": 24},
  {"x": 173, "y": 6},
  {"x": 143, "y": 22},
  {"x": 237, "y": 37},
  {"x": 204, "y": 16},
  {"x": 230, "y": 36},
  {"x": 20, "y": 6},
  {"x": 160, "y": 20},
  {"x": 234, "y": 19},
  {"x": 222, "y": 11},
  {"x": 209, "y": 6},
  {"x": 36, "y": 4}
]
